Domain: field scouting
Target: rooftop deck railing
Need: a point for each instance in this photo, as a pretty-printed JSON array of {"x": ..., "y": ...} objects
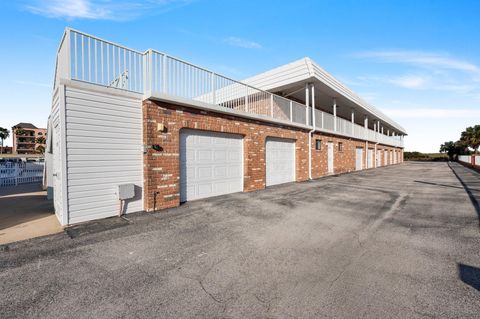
[{"x": 86, "y": 58}]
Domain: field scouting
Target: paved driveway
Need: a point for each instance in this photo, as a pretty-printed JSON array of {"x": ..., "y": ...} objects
[
  {"x": 394, "y": 242},
  {"x": 26, "y": 213}
]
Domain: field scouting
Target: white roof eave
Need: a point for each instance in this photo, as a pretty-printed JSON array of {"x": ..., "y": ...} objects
[{"x": 306, "y": 70}]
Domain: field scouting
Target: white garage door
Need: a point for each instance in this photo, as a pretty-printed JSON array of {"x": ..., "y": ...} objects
[
  {"x": 211, "y": 164},
  {"x": 370, "y": 158},
  {"x": 280, "y": 161},
  {"x": 358, "y": 158}
]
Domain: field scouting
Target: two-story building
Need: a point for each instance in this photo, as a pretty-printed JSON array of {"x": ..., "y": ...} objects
[{"x": 132, "y": 131}]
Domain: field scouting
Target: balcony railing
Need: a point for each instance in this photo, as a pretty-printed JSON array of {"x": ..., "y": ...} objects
[{"x": 86, "y": 58}]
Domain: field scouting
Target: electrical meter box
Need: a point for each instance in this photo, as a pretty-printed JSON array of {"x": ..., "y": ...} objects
[{"x": 126, "y": 191}]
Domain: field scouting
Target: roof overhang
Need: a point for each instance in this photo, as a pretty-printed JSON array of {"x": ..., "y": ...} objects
[{"x": 290, "y": 79}]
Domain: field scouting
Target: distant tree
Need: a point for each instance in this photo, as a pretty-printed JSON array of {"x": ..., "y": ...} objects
[
  {"x": 449, "y": 148},
  {"x": 454, "y": 148},
  {"x": 40, "y": 149},
  {"x": 471, "y": 137},
  {"x": 4, "y": 134},
  {"x": 20, "y": 131},
  {"x": 40, "y": 140}
]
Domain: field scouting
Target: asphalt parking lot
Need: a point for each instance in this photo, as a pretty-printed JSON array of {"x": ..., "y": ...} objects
[{"x": 395, "y": 242}]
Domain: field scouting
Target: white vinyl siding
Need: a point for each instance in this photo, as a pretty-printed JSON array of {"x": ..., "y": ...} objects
[
  {"x": 211, "y": 164},
  {"x": 280, "y": 161},
  {"x": 104, "y": 150}
]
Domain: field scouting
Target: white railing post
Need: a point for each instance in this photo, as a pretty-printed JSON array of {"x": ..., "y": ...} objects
[
  {"x": 271, "y": 105},
  {"x": 213, "y": 88},
  {"x": 69, "y": 59},
  {"x": 323, "y": 121},
  {"x": 246, "y": 99},
  {"x": 150, "y": 71},
  {"x": 334, "y": 114},
  {"x": 291, "y": 111},
  {"x": 164, "y": 64}
]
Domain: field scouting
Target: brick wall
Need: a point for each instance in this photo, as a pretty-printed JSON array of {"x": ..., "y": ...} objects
[
  {"x": 344, "y": 161},
  {"x": 162, "y": 168}
]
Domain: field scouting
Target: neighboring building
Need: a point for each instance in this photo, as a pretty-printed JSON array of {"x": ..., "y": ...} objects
[
  {"x": 28, "y": 139},
  {"x": 177, "y": 132},
  {"x": 6, "y": 150}
]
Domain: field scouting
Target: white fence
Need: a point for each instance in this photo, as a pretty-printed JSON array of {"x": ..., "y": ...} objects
[
  {"x": 86, "y": 58},
  {"x": 12, "y": 174},
  {"x": 470, "y": 159}
]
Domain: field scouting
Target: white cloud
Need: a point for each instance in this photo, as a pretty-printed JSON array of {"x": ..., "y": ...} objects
[
  {"x": 100, "y": 9},
  {"x": 432, "y": 113},
  {"x": 242, "y": 43},
  {"x": 32, "y": 83},
  {"x": 421, "y": 59},
  {"x": 411, "y": 81}
]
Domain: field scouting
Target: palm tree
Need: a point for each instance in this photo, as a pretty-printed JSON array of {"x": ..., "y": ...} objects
[
  {"x": 471, "y": 137},
  {"x": 40, "y": 140},
  {"x": 4, "y": 134}
]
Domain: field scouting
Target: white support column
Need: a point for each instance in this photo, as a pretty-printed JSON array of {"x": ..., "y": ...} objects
[
  {"x": 365, "y": 125},
  {"x": 353, "y": 122},
  {"x": 307, "y": 102},
  {"x": 313, "y": 106},
  {"x": 334, "y": 114},
  {"x": 388, "y": 132},
  {"x": 382, "y": 129}
]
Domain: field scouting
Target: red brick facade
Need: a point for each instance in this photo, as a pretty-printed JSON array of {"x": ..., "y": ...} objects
[{"x": 162, "y": 167}]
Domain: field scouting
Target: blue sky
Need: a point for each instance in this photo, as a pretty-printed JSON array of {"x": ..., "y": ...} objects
[{"x": 418, "y": 61}]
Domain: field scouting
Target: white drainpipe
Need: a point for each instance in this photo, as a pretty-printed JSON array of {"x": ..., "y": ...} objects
[{"x": 311, "y": 132}]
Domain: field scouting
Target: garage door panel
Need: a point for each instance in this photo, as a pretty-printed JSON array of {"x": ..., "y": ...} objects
[
  {"x": 220, "y": 155},
  {"x": 211, "y": 164}
]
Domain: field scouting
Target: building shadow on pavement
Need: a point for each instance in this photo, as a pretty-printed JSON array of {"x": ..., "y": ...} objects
[
  {"x": 25, "y": 212},
  {"x": 469, "y": 275},
  {"x": 468, "y": 177}
]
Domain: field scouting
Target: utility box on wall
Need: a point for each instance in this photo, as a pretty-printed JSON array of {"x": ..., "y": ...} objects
[{"x": 126, "y": 191}]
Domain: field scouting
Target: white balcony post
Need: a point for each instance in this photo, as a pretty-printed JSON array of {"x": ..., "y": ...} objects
[
  {"x": 271, "y": 105},
  {"x": 365, "y": 125},
  {"x": 388, "y": 132},
  {"x": 69, "y": 56},
  {"x": 307, "y": 102},
  {"x": 150, "y": 71},
  {"x": 291, "y": 111},
  {"x": 334, "y": 114},
  {"x": 213, "y": 88},
  {"x": 313, "y": 106},
  {"x": 246, "y": 99},
  {"x": 382, "y": 129},
  {"x": 353, "y": 122},
  {"x": 164, "y": 64}
]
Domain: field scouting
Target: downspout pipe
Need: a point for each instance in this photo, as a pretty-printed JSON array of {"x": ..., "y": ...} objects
[{"x": 310, "y": 133}]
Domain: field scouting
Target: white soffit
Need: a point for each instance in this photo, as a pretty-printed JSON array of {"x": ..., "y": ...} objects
[{"x": 306, "y": 70}]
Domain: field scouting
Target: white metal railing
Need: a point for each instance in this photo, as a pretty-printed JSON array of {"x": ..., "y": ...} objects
[
  {"x": 12, "y": 174},
  {"x": 465, "y": 158},
  {"x": 86, "y": 58}
]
